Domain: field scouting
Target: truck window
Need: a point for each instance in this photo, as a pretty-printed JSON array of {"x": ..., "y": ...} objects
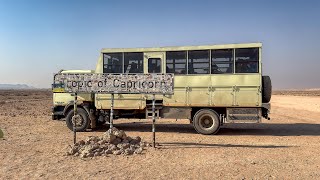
[
  {"x": 176, "y": 62},
  {"x": 221, "y": 61},
  {"x": 133, "y": 62},
  {"x": 247, "y": 60},
  {"x": 113, "y": 63},
  {"x": 198, "y": 62},
  {"x": 154, "y": 65}
]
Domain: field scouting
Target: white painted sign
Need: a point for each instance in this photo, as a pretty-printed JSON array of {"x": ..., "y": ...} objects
[{"x": 116, "y": 83}]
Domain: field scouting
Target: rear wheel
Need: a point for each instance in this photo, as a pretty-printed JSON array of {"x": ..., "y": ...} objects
[
  {"x": 266, "y": 89},
  {"x": 81, "y": 120},
  {"x": 206, "y": 121}
]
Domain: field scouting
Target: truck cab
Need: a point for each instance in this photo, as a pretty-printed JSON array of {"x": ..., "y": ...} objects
[{"x": 63, "y": 101}]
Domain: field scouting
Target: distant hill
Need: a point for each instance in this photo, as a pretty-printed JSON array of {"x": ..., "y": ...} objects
[{"x": 15, "y": 86}]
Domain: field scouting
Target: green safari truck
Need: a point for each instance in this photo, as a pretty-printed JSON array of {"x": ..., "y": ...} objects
[{"x": 213, "y": 85}]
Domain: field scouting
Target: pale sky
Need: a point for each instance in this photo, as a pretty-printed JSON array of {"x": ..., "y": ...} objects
[{"x": 40, "y": 37}]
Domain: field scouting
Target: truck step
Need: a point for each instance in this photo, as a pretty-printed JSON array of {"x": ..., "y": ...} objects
[{"x": 149, "y": 113}]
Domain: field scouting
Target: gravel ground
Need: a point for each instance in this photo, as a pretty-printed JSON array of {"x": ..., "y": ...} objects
[{"x": 287, "y": 147}]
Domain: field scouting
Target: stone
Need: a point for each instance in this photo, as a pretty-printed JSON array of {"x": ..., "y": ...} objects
[
  {"x": 83, "y": 155},
  {"x": 111, "y": 142},
  {"x": 117, "y": 152},
  {"x": 82, "y": 142},
  {"x": 128, "y": 151},
  {"x": 112, "y": 147},
  {"x": 138, "y": 150},
  {"x": 87, "y": 149},
  {"x": 116, "y": 141},
  {"x": 109, "y": 137},
  {"x": 108, "y": 151},
  {"x": 92, "y": 139},
  {"x": 123, "y": 145},
  {"x": 90, "y": 155},
  {"x": 121, "y": 134},
  {"x": 125, "y": 141},
  {"x": 102, "y": 142}
]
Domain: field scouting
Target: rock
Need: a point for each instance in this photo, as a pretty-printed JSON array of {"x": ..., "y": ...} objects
[
  {"x": 108, "y": 151},
  {"x": 117, "y": 152},
  {"x": 116, "y": 141},
  {"x": 109, "y": 137},
  {"x": 112, "y": 142},
  {"x": 72, "y": 151},
  {"x": 102, "y": 142},
  {"x": 83, "y": 155},
  {"x": 142, "y": 144},
  {"x": 123, "y": 145},
  {"x": 82, "y": 142},
  {"x": 128, "y": 151},
  {"x": 138, "y": 150},
  {"x": 90, "y": 155},
  {"x": 112, "y": 147},
  {"x": 92, "y": 139},
  {"x": 128, "y": 138},
  {"x": 125, "y": 141},
  {"x": 95, "y": 146},
  {"x": 138, "y": 139},
  {"x": 134, "y": 141},
  {"x": 87, "y": 149}
]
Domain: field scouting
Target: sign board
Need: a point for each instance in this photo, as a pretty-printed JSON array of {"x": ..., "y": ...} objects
[{"x": 115, "y": 83}]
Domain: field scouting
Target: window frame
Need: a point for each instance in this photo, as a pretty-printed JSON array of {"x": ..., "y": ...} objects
[
  {"x": 223, "y": 62},
  {"x": 209, "y": 68},
  {"x": 124, "y": 62},
  {"x": 174, "y": 63},
  {"x": 246, "y": 62}
]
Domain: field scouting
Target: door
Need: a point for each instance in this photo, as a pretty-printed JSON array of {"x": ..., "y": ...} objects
[{"x": 154, "y": 62}]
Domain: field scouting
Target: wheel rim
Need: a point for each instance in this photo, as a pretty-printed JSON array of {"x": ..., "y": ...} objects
[
  {"x": 77, "y": 120},
  {"x": 206, "y": 122}
]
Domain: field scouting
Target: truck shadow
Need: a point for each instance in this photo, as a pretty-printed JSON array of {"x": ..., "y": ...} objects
[
  {"x": 177, "y": 145},
  {"x": 296, "y": 129}
]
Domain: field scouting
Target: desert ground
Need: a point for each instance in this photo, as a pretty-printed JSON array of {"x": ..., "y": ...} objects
[{"x": 286, "y": 147}]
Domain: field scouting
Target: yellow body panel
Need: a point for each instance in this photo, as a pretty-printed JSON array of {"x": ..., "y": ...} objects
[
  {"x": 62, "y": 99},
  {"x": 121, "y": 101},
  {"x": 216, "y": 90}
]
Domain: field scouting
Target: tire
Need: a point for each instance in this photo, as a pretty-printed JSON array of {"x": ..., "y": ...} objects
[
  {"x": 206, "y": 121},
  {"x": 266, "y": 89},
  {"x": 84, "y": 121}
]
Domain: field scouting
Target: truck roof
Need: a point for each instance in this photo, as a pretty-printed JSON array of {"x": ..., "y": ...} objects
[
  {"x": 181, "y": 48},
  {"x": 77, "y": 71}
]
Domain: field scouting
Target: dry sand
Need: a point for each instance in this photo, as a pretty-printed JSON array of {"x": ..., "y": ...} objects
[{"x": 287, "y": 147}]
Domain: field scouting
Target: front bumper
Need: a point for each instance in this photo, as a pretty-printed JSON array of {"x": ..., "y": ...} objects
[{"x": 57, "y": 112}]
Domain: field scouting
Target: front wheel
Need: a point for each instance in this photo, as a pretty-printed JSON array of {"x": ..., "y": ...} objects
[
  {"x": 81, "y": 120},
  {"x": 206, "y": 121}
]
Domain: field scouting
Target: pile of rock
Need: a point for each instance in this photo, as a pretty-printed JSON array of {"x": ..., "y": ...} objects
[{"x": 113, "y": 141}]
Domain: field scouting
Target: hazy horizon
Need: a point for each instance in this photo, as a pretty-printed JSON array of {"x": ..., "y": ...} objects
[{"x": 38, "y": 38}]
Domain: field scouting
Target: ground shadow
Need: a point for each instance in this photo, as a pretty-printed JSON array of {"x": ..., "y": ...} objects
[
  {"x": 296, "y": 129},
  {"x": 169, "y": 145},
  {"x": 147, "y": 127}
]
